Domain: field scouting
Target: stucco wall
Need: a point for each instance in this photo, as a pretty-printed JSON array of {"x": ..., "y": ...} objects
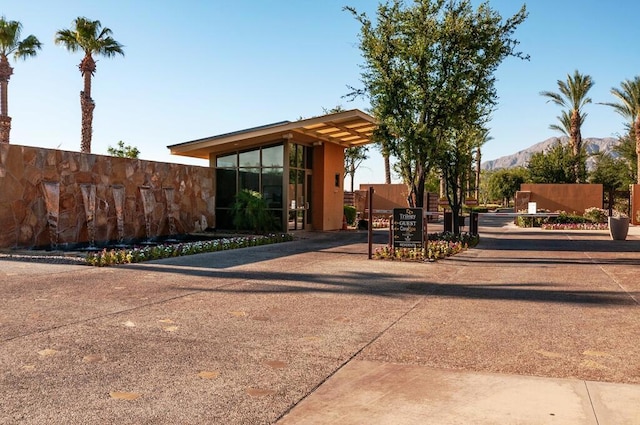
[
  {"x": 385, "y": 197},
  {"x": 635, "y": 203},
  {"x": 572, "y": 198},
  {"x": 25, "y": 171},
  {"x": 328, "y": 198}
]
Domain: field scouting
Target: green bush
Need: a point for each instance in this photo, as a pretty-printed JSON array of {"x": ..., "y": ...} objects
[
  {"x": 350, "y": 213},
  {"x": 250, "y": 212},
  {"x": 596, "y": 215}
]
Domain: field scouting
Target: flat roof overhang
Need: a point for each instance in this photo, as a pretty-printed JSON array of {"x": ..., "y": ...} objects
[{"x": 348, "y": 129}]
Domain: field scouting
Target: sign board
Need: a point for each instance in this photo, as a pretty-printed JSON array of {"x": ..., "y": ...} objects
[
  {"x": 471, "y": 201},
  {"x": 532, "y": 208},
  {"x": 408, "y": 228}
]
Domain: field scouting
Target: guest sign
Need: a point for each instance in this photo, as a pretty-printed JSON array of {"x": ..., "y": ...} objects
[{"x": 407, "y": 228}]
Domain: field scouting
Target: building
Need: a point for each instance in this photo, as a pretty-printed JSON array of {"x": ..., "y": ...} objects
[{"x": 297, "y": 166}]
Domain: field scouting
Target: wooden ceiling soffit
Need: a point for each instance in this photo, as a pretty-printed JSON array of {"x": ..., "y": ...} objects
[{"x": 347, "y": 134}]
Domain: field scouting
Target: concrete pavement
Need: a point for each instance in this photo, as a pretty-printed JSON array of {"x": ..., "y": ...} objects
[{"x": 530, "y": 327}]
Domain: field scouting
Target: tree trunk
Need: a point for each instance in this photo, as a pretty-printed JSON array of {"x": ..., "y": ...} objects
[
  {"x": 637, "y": 130},
  {"x": 575, "y": 140},
  {"x": 5, "y": 119},
  {"x": 478, "y": 162},
  {"x": 387, "y": 168},
  {"x": 87, "y": 105}
]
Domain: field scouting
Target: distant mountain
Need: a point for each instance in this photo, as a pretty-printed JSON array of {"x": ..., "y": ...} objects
[{"x": 592, "y": 145}]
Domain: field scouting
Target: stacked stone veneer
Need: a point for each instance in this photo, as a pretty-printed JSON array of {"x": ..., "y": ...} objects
[{"x": 23, "y": 213}]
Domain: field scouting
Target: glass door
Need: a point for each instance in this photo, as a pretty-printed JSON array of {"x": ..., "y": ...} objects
[{"x": 297, "y": 200}]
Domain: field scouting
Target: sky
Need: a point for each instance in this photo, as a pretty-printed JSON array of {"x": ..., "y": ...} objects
[{"x": 198, "y": 68}]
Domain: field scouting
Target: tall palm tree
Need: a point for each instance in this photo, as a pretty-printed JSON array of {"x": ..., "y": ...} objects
[
  {"x": 573, "y": 96},
  {"x": 628, "y": 106},
  {"x": 91, "y": 38},
  {"x": 10, "y": 43}
]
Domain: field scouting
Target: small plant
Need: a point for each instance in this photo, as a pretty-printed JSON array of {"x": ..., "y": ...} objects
[
  {"x": 595, "y": 215},
  {"x": 250, "y": 212},
  {"x": 136, "y": 255},
  {"x": 438, "y": 246},
  {"x": 350, "y": 213}
]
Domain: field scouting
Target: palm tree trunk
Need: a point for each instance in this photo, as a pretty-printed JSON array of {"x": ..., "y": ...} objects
[
  {"x": 575, "y": 139},
  {"x": 637, "y": 130},
  {"x": 387, "y": 168},
  {"x": 87, "y": 105},
  {"x": 5, "y": 119}
]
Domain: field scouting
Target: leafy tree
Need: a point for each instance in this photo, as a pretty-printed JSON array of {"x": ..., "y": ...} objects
[
  {"x": 504, "y": 183},
  {"x": 626, "y": 149},
  {"x": 572, "y": 95},
  {"x": 558, "y": 165},
  {"x": 429, "y": 75},
  {"x": 92, "y": 39},
  {"x": 123, "y": 151},
  {"x": 613, "y": 173},
  {"x": 10, "y": 43},
  {"x": 353, "y": 158},
  {"x": 628, "y": 106}
]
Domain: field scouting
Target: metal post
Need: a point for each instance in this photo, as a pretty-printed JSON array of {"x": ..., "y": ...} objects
[{"x": 370, "y": 230}]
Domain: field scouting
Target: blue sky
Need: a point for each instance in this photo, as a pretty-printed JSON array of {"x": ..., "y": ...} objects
[{"x": 199, "y": 68}]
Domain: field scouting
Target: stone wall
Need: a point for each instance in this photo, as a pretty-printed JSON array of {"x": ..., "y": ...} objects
[{"x": 98, "y": 197}]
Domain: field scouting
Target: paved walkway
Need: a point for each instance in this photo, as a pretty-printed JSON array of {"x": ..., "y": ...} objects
[{"x": 531, "y": 327}]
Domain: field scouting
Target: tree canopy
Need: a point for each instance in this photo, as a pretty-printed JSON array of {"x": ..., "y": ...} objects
[
  {"x": 429, "y": 74},
  {"x": 123, "y": 151}
]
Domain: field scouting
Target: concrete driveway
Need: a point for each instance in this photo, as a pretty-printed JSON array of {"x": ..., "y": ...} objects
[{"x": 530, "y": 327}]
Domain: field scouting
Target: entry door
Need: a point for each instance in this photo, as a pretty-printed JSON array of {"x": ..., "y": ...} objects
[{"x": 298, "y": 201}]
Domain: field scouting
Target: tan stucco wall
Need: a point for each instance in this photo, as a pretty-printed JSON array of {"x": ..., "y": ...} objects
[
  {"x": 23, "y": 213},
  {"x": 635, "y": 204},
  {"x": 385, "y": 196},
  {"x": 572, "y": 198},
  {"x": 328, "y": 199}
]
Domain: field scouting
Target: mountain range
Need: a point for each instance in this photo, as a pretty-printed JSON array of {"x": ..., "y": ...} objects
[{"x": 521, "y": 158}]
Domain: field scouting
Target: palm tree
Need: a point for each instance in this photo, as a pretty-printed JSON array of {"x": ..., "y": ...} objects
[
  {"x": 573, "y": 96},
  {"x": 10, "y": 43},
  {"x": 88, "y": 36},
  {"x": 628, "y": 106}
]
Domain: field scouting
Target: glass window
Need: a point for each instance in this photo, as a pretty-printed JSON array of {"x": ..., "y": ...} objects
[
  {"x": 250, "y": 179},
  {"x": 225, "y": 187},
  {"x": 227, "y": 161},
  {"x": 273, "y": 156},
  {"x": 250, "y": 158},
  {"x": 272, "y": 187},
  {"x": 295, "y": 155}
]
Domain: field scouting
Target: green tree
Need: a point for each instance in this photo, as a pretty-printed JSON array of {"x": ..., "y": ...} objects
[
  {"x": 123, "y": 151},
  {"x": 429, "y": 74},
  {"x": 628, "y": 105},
  {"x": 613, "y": 173},
  {"x": 504, "y": 183},
  {"x": 10, "y": 43},
  {"x": 91, "y": 38},
  {"x": 572, "y": 95},
  {"x": 353, "y": 158},
  {"x": 557, "y": 165},
  {"x": 626, "y": 149}
]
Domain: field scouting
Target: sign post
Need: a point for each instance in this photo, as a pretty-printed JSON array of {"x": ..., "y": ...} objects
[{"x": 408, "y": 230}]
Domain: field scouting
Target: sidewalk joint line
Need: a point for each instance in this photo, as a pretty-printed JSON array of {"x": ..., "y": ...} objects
[
  {"x": 352, "y": 357},
  {"x": 593, "y": 409}
]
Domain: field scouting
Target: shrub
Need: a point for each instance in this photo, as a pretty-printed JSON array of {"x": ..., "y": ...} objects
[
  {"x": 596, "y": 215},
  {"x": 250, "y": 212},
  {"x": 350, "y": 213}
]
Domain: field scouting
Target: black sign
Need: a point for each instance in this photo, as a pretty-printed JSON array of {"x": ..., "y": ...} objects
[{"x": 407, "y": 228}]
